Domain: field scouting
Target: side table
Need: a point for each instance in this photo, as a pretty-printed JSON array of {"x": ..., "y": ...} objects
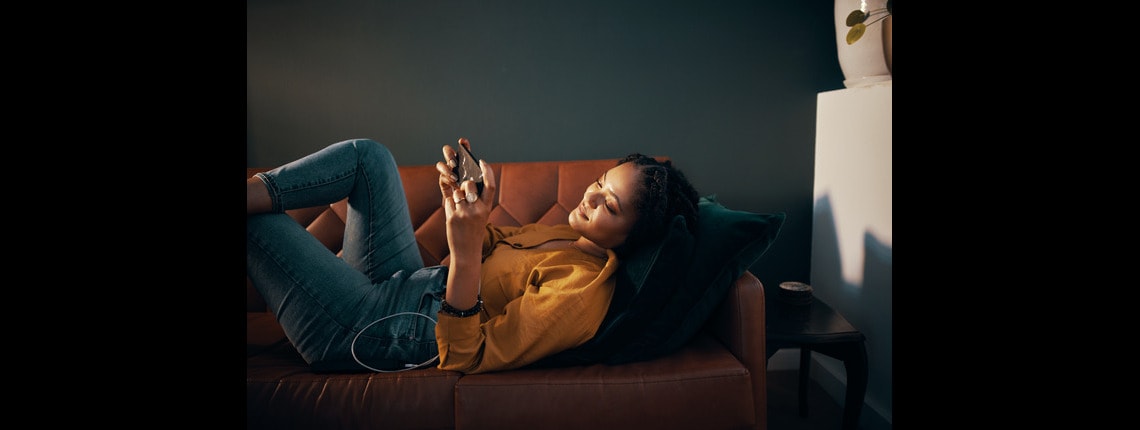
[{"x": 818, "y": 327}]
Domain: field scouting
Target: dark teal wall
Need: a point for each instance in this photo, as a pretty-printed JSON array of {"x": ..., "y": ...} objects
[{"x": 725, "y": 88}]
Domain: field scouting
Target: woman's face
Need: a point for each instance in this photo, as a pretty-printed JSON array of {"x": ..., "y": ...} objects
[{"x": 606, "y": 213}]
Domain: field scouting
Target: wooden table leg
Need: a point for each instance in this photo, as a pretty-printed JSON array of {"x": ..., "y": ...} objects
[
  {"x": 856, "y": 365},
  {"x": 854, "y": 357},
  {"x": 805, "y": 368}
]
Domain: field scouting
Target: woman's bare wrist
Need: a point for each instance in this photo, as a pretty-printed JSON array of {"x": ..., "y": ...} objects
[{"x": 463, "y": 282}]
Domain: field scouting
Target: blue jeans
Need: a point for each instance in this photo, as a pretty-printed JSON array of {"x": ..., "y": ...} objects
[{"x": 324, "y": 302}]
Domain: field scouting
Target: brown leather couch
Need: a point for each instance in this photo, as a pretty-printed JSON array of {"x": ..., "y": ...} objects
[{"x": 717, "y": 381}]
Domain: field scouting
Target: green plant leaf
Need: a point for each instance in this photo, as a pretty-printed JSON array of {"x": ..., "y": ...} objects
[
  {"x": 856, "y": 32},
  {"x": 856, "y": 16}
]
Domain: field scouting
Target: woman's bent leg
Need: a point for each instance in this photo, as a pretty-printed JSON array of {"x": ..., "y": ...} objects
[
  {"x": 378, "y": 238},
  {"x": 322, "y": 303}
]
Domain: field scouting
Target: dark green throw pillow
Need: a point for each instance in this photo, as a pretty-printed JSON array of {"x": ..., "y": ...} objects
[{"x": 728, "y": 242}]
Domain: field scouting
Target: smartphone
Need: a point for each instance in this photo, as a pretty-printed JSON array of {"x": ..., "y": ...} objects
[{"x": 467, "y": 168}]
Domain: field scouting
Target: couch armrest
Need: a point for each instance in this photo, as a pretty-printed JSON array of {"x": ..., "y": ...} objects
[{"x": 739, "y": 324}]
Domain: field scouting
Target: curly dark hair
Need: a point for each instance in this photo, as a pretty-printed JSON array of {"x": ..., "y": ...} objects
[{"x": 663, "y": 194}]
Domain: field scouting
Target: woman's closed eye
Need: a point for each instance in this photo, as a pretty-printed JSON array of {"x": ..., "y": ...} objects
[{"x": 606, "y": 202}]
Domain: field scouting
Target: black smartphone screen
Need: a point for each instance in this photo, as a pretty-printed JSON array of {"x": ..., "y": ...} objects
[{"x": 467, "y": 168}]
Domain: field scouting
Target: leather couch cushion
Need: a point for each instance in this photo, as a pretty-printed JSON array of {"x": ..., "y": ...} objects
[
  {"x": 282, "y": 392},
  {"x": 634, "y": 395}
]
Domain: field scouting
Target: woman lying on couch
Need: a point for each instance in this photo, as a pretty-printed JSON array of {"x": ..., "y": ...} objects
[{"x": 509, "y": 296}]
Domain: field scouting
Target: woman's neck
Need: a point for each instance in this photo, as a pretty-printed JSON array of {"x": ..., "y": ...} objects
[{"x": 589, "y": 247}]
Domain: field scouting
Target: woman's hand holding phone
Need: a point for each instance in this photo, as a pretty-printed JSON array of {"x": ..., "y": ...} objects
[
  {"x": 467, "y": 193},
  {"x": 461, "y": 166}
]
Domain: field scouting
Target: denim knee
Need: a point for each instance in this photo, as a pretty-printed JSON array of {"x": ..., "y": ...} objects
[{"x": 366, "y": 148}]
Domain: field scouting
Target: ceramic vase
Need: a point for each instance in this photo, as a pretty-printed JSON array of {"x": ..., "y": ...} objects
[{"x": 863, "y": 62}]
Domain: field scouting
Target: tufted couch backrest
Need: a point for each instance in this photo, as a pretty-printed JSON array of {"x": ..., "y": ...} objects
[{"x": 529, "y": 192}]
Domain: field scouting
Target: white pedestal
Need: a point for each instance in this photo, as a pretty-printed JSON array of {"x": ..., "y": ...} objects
[{"x": 851, "y": 251}]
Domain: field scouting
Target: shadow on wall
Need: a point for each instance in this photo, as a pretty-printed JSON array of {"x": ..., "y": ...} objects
[
  {"x": 866, "y": 301},
  {"x": 826, "y": 262}
]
